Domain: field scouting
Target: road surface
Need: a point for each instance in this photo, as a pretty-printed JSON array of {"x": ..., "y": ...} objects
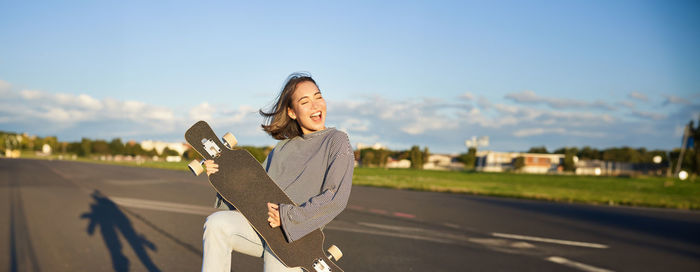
[{"x": 72, "y": 216}]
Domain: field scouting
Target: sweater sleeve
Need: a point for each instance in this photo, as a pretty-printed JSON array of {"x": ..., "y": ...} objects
[{"x": 319, "y": 210}]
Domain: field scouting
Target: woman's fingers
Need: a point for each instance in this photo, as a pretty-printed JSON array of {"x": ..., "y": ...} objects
[
  {"x": 273, "y": 206},
  {"x": 273, "y": 222},
  {"x": 211, "y": 163},
  {"x": 211, "y": 167},
  {"x": 273, "y": 215}
]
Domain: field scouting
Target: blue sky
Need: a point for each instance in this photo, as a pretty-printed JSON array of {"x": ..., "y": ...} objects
[{"x": 431, "y": 73}]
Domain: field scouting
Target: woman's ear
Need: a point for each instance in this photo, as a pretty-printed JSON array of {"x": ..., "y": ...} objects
[{"x": 291, "y": 113}]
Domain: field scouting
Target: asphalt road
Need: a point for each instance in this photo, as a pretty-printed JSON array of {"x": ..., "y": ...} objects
[{"x": 70, "y": 216}]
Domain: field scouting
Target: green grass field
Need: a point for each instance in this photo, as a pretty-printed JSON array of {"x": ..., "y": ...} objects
[
  {"x": 633, "y": 191},
  {"x": 638, "y": 191}
]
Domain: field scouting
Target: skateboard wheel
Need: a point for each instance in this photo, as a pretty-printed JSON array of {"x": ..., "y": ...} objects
[
  {"x": 230, "y": 140},
  {"x": 335, "y": 252},
  {"x": 196, "y": 167}
]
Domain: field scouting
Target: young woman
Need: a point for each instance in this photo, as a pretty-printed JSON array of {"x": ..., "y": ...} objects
[{"x": 311, "y": 163}]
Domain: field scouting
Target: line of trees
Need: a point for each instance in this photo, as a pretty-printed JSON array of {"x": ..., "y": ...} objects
[
  {"x": 88, "y": 147},
  {"x": 618, "y": 154},
  {"x": 369, "y": 157},
  {"x": 468, "y": 159},
  {"x": 690, "y": 161},
  {"x": 9, "y": 140}
]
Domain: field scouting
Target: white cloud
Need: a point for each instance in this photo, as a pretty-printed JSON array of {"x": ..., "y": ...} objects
[
  {"x": 627, "y": 104},
  {"x": 405, "y": 123},
  {"x": 507, "y": 109},
  {"x": 535, "y": 131},
  {"x": 525, "y": 97},
  {"x": 31, "y": 94},
  {"x": 4, "y": 86},
  {"x": 467, "y": 96},
  {"x": 440, "y": 124},
  {"x": 61, "y": 113},
  {"x": 355, "y": 125},
  {"x": 433, "y": 123},
  {"x": 517, "y": 114},
  {"x": 528, "y": 132},
  {"x": 160, "y": 114},
  {"x": 672, "y": 99},
  {"x": 397, "y": 122},
  {"x": 89, "y": 102},
  {"x": 484, "y": 103},
  {"x": 580, "y": 118},
  {"x": 241, "y": 114},
  {"x": 600, "y": 104},
  {"x": 638, "y": 96},
  {"x": 133, "y": 106},
  {"x": 649, "y": 115},
  {"x": 57, "y": 114},
  {"x": 202, "y": 111},
  {"x": 529, "y": 97},
  {"x": 63, "y": 99}
]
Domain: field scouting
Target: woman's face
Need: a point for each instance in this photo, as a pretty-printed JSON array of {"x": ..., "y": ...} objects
[{"x": 308, "y": 107}]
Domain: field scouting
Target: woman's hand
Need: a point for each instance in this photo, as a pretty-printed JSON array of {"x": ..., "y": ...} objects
[
  {"x": 273, "y": 213},
  {"x": 211, "y": 167}
]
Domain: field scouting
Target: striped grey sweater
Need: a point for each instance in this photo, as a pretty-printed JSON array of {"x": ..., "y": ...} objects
[{"x": 315, "y": 170}]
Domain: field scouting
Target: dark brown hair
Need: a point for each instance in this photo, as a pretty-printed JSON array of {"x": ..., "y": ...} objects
[{"x": 277, "y": 123}]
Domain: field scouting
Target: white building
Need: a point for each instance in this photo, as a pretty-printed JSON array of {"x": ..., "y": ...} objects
[
  {"x": 180, "y": 148},
  {"x": 612, "y": 168},
  {"x": 391, "y": 163},
  {"x": 491, "y": 161},
  {"x": 442, "y": 162}
]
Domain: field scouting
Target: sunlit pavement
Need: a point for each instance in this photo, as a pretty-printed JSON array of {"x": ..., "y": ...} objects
[{"x": 70, "y": 216}]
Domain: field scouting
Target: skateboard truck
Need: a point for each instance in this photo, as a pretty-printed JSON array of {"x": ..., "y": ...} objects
[
  {"x": 335, "y": 254},
  {"x": 211, "y": 148},
  {"x": 321, "y": 266}
]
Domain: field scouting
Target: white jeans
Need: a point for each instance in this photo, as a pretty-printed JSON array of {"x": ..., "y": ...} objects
[{"x": 226, "y": 231}]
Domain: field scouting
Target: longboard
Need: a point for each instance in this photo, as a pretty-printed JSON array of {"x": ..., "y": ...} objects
[{"x": 243, "y": 182}]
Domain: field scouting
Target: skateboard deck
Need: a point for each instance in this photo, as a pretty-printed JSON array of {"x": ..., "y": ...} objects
[{"x": 243, "y": 182}]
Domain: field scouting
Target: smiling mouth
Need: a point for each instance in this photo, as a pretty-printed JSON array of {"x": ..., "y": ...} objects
[{"x": 316, "y": 116}]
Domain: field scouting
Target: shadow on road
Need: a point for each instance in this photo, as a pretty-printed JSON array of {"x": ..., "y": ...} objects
[{"x": 111, "y": 220}]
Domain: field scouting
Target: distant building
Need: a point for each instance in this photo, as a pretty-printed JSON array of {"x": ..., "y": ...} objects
[
  {"x": 491, "y": 161},
  {"x": 612, "y": 168},
  {"x": 590, "y": 167},
  {"x": 442, "y": 162},
  {"x": 180, "y": 148},
  {"x": 173, "y": 159},
  {"x": 393, "y": 163}
]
